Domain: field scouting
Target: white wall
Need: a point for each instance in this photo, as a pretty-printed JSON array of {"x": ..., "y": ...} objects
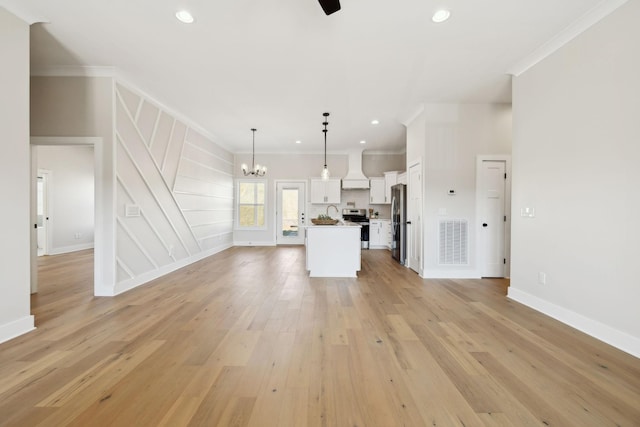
[
  {"x": 448, "y": 138},
  {"x": 297, "y": 167},
  {"x": 576, "y": 160},
  {"x": 71, "y": 196},
  {"x": 14, "y": 178},
  {"x": 83, "y": 107},
  {"x": 182, "y": 183}
]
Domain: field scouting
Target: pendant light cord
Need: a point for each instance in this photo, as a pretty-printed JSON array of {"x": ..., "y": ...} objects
[
  {"x": 253, "y": 151},
  {"x": 326, "y": 122}
]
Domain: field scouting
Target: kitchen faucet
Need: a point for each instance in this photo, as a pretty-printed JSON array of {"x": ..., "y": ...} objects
[{"x": 334, "y": 207}]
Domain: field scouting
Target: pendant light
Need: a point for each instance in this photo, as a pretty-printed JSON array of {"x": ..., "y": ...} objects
[
  {"x": 255, "y": 170},
  {"x": 325, "y": 170}
]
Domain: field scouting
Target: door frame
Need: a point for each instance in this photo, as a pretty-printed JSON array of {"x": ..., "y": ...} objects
[
  {"x": 276, "y": 207},
  {"x": 507, "y": 211},
  {"x": 102, "y": 198}
]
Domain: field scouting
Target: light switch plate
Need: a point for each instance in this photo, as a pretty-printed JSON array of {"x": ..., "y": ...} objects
[{"x": 528, "y": 212}]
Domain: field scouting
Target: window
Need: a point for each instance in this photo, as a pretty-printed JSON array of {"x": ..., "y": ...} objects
[{"x": 251, "y": 204}]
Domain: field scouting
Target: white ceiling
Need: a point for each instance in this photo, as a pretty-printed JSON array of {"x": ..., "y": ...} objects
[{"x": 278, "y": 65}]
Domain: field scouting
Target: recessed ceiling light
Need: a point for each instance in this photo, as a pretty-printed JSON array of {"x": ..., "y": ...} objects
[
  {"x": 441, "y": 15},
  {"x": 375, "y": 122},
  {"x": 298, "y": 142},
  {"x": 184, "y": 16},
  {"x": 363, "y": 142}
]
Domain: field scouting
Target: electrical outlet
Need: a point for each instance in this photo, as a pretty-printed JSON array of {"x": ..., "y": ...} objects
[
  {"x": 170, "y": 250},
  {"x": 542, "y": 278}
]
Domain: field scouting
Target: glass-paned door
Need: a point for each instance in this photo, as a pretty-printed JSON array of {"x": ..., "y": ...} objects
[{"x": 290, "y": 213}]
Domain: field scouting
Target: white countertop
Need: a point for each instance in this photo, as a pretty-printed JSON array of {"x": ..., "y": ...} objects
[{"x": 340, "y": 224}]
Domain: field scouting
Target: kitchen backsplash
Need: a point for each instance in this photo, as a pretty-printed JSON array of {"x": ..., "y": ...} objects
[{"x": 358, "y": 199}]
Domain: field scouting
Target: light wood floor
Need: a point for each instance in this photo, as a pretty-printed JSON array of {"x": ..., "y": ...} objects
[{"x": 246, "y": 338}]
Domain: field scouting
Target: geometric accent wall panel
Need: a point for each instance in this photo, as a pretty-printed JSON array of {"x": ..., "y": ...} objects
[{"x": 181, "y": 182}]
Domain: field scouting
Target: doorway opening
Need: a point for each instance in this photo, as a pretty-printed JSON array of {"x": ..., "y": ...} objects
[{"x": 63, "y": 202}]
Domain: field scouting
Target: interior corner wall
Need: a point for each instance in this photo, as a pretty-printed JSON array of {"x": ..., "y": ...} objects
[
  {"x": 15, "y": 164},
  {"x": 174, "y": 192},
  {"x": 576, "y": 162},
  {"x": 448, "y": 138}
]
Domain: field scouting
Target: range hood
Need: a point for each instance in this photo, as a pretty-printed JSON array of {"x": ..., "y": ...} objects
[{"x": 355, "y": 179}]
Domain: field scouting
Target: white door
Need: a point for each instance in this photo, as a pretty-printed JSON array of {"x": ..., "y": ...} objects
[
  {"x": 42, "y": 212},
  {"x": 290, "y": 213},
  {"x": 414, "y": 217},
  {"x": 492, "y": 219}
]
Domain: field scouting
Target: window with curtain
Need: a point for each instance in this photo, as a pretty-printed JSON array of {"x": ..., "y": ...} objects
[{"x": 251, "y": 204}]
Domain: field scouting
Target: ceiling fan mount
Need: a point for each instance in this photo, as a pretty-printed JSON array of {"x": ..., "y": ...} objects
[{"x": 330, "y": 6}]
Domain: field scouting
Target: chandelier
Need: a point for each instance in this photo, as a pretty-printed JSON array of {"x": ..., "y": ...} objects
[
  {"x": 325, "y": 170},
  {"x": 256, "y": 170}
]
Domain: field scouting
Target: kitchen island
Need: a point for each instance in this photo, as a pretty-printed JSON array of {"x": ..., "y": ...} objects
[{"x": 333, "y": 250}]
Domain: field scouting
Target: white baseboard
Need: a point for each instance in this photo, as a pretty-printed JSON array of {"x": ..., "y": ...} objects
[
  {"x": 16, "y": 328},
  {"x": 72, "y": 248},
  {"x": 247, "y": 243},
  {"x": 151, "y": 275},
  {"x": 450, "y": 274},
  {"x": 607, "y": 334}
]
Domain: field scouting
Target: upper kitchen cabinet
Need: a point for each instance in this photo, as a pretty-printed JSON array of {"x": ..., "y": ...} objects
[
  {"x": 377, "y": 191},
  {"x": 325, "y": 191},
  {"x": 390, "y": 179}
]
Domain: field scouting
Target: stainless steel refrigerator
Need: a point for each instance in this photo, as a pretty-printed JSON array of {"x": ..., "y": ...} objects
[{"x": 399, "y": 223}]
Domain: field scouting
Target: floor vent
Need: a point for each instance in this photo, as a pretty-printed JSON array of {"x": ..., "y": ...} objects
[{"x": 453, "y": 242}]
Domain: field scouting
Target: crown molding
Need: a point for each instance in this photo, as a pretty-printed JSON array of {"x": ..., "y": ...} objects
[
  {"x": 127, "y": 83},
  {"x": 409, "y": 118},
  {"x": 74, "y": 71},
  {"x": 21, "y": 13},
  {"x": 586, "y": 21}
]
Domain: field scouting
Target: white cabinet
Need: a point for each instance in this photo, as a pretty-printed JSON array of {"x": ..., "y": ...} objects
[
  {"x": 379, "y": 233},
  {"x": 385, "y": 233},
  {"x": 390, "y": 179},
  {"x": 380, "y": 192},
  {"x": 325, "y": 191},
  {"x": 377, "y": 191},
  {"x": 333, "y": 251}
]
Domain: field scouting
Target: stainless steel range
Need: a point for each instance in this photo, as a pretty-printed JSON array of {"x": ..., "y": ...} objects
[{"x": 359, "y": 216}]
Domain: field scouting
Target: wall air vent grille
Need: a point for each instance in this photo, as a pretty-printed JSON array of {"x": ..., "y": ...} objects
[{"x": 453, "y": 245}]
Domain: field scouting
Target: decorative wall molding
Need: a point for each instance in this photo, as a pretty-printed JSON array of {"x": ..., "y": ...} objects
[
  {"x": 146, "y": 219},
  {"x": 162, "y": 271},
  {"x": 586, "y": 21},
  {"x": 607, "y": 334},
  {"x": 129, "y": 85},
  {"x": 152, "y": 155}
]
